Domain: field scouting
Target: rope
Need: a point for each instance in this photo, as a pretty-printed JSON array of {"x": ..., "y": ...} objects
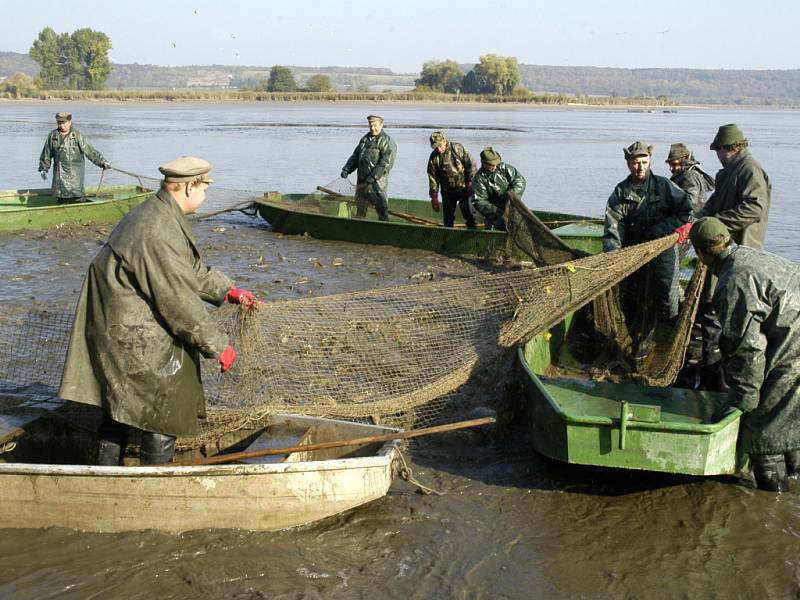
[{"x": 406, "y": 475}]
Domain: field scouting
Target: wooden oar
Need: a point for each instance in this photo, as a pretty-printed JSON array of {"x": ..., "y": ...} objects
[
  {"x": 402, "y": 215},
  {"x": 397, "y": 435}
]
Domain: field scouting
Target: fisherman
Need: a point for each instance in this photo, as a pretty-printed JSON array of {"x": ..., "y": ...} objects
[
  {"x": 450, "y": 168},
  {"x": 757, "y": 300},
  {"x": 689, "y": 175},
  {"x": 495, "y": 183},
  {"x": 66, "y": 147},
  {"x": 741, "y": 201},
  {"x": 140, "y": 325},
  {"x": 645, "y": 206},
  {"x": 374, "y": 158}
]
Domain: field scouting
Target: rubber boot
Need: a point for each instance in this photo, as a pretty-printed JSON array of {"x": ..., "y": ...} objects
[
  {"x": 109, "y": 454},
  {"x": 770, "y": 472},
  {"x": 112, "y": 438},
  {"x": 157, "y": 448},
  {"x": 792, "y": 459}
]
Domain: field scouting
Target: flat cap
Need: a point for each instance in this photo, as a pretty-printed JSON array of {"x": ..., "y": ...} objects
[
  {"x": 374, "y": 118},
  {"x": 637, "y": 148},
  {"x": 727, "y": 135},
  {"x": 708, "y": 233},
  {"x": 187, "y": 168},
  {"x": 437, "y": 137},
  {"x": 489, "y": 156},
  {"x": 62, "y": 117},
  {"x": 677, "y": 152}
]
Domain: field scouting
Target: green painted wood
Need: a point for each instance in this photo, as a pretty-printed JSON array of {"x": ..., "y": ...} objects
[
  {"x": 335, "y": 220},
  {"x": 37, "y": 209}
]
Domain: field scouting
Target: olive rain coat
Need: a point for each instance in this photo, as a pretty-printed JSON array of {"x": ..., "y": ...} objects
[
  {"x": 453, "y": 169},
  {"x": 140, "y": 324},
  {"x": 490, "y": 189},
  {"x": 695, "y": 182},
  {"x": 758, "y": 303},
  {"x": 373, "y": 157},
  {"x": 67, "y": 155},
  {"x": 741, "y": 200}
]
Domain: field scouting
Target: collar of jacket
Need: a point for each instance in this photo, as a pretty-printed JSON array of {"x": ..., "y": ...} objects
[
  {"x": 736, "y": 162},
  {"x": 717, "y": 266},
  {"x": 169, "y": 201}
]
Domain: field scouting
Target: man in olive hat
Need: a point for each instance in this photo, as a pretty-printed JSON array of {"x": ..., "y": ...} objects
[
  {"x": 645, "y": 206},
  {"x": 757, "y": 300},
  {"x": 140, "y": 324},
  {"x": 688, "y": 175},
  {"x": 741, "y": 200},
  {"x": 374, "y": 158},
  {"x": 450, "y": 168},
  {"x": 66, "y": 148},
  {"x": 495, "y": 183}
]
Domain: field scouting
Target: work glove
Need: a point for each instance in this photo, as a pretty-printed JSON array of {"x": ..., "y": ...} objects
[
  {"x": 237, "y": 296},
  {"x": 434, "y": 201},
  {"x": 469, "y": 188},
  {"x": 227, "y": 358},
  {"x": 106, "y": 165},
  {"x": 683, "y": 233},
  {"x": 43, "y": 174},
  {"x": 344, "y": 174}
]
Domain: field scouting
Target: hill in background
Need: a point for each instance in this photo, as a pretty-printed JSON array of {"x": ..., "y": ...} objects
[{"x": 693, "y": 86}]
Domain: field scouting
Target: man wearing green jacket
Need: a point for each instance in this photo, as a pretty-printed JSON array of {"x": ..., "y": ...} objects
[
  {"x": 495, "y": 183},
  {"x": 451, "y": 170},
  {"x": 66, "y": 148},
  {"x": 373, "y": 157},
  {"x": 757, "y": 300},
  {"x": 140, "y": 324}
]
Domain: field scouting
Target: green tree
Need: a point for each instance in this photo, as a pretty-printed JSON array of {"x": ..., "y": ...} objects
[
  {"x": 46, "y": 51},
  {"x": 281, "y": 79},
  {"x": 319, "y": 83},
  {"x": 445, "y": 76},
  {"x": 19, "y": 85},
  {"x": 493, "y": 75}
]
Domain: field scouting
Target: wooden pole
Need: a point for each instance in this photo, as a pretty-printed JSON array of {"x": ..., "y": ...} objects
[
  {"x": 397, "y": 435},
  {"x": 402, "y": 215}
]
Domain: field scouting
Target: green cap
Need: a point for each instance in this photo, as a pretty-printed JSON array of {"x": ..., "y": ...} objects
[
  {"x": 708, "y": 233},
  {"x": 490, "y": 157},
  {"x": 63, "y": 117},
  {"x": 727, "y": 135},
  {"x": 437, "y": 137},
  {"x": 677, "y": 152},
  {"x": 187, "y": 168},
  {"x": 371, "y": 118},
  {"x": 637, "y": 149}
]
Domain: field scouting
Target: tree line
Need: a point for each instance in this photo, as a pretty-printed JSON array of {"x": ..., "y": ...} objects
[
  {"x": 77, "y": 60},
  {"x": 493, "y": 74},
  {"x": 281, "y": 79}
]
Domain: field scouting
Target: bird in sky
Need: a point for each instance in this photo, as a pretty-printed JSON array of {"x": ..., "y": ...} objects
[{"x": 174, "y": 45}]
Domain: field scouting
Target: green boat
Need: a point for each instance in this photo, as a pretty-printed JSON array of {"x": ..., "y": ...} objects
[
  {"x": 578, "y": 420},
  {"x": 412, "y": 224},
  {"x": 39, "y": 209}
]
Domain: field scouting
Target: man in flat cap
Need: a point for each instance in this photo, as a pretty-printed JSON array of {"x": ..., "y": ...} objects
[
  {"x": 757, "y": 300},
  {"x": 373, "y": 157},
  {"x": 689, "y": 175},
  {"x": 66, "y": 148},
  {"x": 495, "y": 183},
  {"x": 450, "y": 168},
  {"x": 645, "y": 206},
  {"x": 140, "y": 324},
  {"x": 741, "y": 201}
]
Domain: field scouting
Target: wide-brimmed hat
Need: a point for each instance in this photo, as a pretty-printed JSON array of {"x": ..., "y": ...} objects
[
  {"x": 187, "y": 168},
  {"x": 727, "y": 135},
  {"x": 677, "y": 152}
]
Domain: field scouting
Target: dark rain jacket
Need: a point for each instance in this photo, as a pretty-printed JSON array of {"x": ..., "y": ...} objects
[
  {"x": 452, "y": 170},
  {"x": 741, "y": 200},
  {"x": 373, "y": 158},
  {"x": 67, "y": 155},
  {"x": 696, "y": 182},
  {"x": 635, "y": 215},
  {"x": 490, "y": 189},
  {"x": 757, "y": 300},
  {"x": 140, "y": 324}
]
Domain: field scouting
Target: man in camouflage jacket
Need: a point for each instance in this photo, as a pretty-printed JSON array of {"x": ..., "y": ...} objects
[
  {"x": 450, "y": 168},
  {"x": 373, "y": 157},
  {"x": 757, "y": 299},
  {"x": 493, "y": 185},
  {"x": 66, "y": 147}
]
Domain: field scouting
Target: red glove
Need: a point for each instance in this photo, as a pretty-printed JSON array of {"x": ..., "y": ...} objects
[
  {"x": 237, "y": 296},
  {"x": 435, "y": 201},
  {"x": 683, "y": 233},
  {"x": 227, "y": 358},
  {"x": 469, "y": 188}
]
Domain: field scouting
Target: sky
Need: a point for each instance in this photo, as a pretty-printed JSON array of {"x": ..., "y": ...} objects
[{"x": 404, "y": 34}]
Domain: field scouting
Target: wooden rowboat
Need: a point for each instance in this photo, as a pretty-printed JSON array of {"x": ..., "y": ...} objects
[
  {"x": 577, "y": 420},
  {"x": 265, "y": 494},
  {"x": 412, "y": 224},
  {"x": 38, "y": 208}
]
